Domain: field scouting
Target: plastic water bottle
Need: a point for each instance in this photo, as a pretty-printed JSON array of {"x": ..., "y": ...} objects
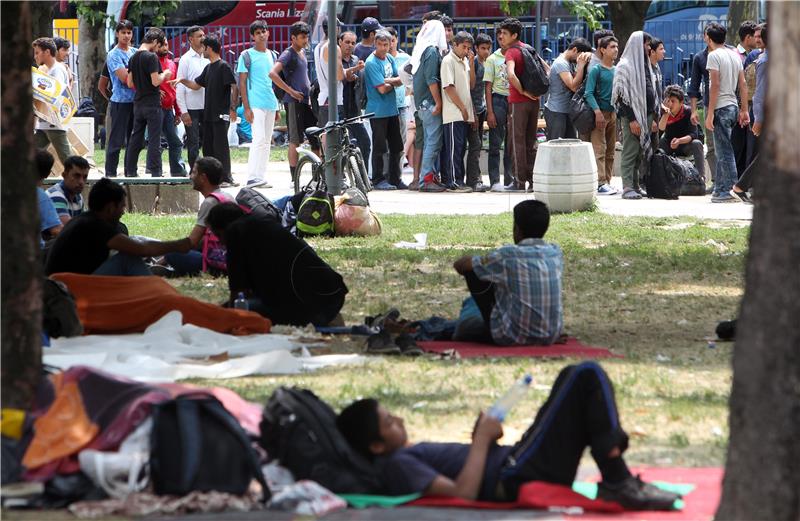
[
  {"x": 241, "y": 302},
  {"x": 503, "y": 406}
]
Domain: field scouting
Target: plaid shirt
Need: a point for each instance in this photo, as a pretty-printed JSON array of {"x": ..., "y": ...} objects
[{"x": 527, "y": 290}]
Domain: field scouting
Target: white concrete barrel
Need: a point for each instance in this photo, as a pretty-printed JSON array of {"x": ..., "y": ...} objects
[{"x": 565, "y": 175}]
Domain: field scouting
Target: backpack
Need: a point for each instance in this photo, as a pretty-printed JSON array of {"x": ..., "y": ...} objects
[
  {"x": 313, "y": 95},
  {"x": 361, "y": 91},
  {"x": 693, "y": 183},
  {"x": 580, "y": 113},
  {"x": 279, "y": 92},
  {"x": 258, "y": 204},
  {"x": 299, "y": 430},
  {"x": 665, "y": 177},
  {"x": 214, "y": 251},
  {"x": 534, "y": 78},
  {"x": 197, "y": 444},
  {"x": 59, "y": 311},
  {"x": 315, "y": 213}
]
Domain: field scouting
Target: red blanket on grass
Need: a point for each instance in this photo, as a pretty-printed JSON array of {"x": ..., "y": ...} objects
[
  {"x": 572, "y": 348},
  {"x": 699, "y": 505}
]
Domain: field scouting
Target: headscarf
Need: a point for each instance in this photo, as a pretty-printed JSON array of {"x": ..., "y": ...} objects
[
  {"x": 630, "y": 87},
  {"x": 431, "y": 34}
]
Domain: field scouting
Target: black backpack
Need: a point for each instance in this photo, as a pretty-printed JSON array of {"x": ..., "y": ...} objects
[
  {"x": 315, "y": 212},
  {"x": 534, "y": 78},
  {"x": 299, "y": 430},
  {"x": 360, "y": 89},
  {"x": 59, "y": 310},
  {"x": 197, "y": 444},
  {"x": 665, "y": 177},
  {"x": 580, "y": 113},
  {"x": 258, "y": 204},
  {"x": 694, "y": 183},
  {"x": 313, "y": 96}
]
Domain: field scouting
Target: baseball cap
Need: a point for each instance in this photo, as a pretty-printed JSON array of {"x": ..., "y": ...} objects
[{"x": 370, "y": 24}]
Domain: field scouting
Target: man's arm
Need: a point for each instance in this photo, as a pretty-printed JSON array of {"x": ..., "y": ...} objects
[
  {"x": 180, "y": 90},
  {"x": 196, "y": 235},
  {"x": 713, "y": 95},
  {"x": 450, "y": 90},
  {"x": 234, "y": 100},
  {"x": 491, "y": 120},
  {"x": 339, "y": 69},
  {"x": 102, "y": 86},
  {"x": 463, "y": 264},
  {"x": 468, "y": 482},
  {"x": 514, "y": 80},
  {"x": 248, "y": 112},
  {"x": 744, "y": 110},
  {"x": 275, "y": 76},
  {"x": 147, "y": 248},
  {"x": 389, "y": 84}
]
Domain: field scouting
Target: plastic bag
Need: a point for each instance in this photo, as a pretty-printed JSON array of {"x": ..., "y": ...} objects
[{"x": 353, "y": 217}]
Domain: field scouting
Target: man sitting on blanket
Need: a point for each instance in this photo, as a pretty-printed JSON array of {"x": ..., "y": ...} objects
[
  {"x": 517, "y": 288},
  {"x": 281, "y": 275},
  {"x": 85, "y": 244},
  {"x": 581, "y": 411}
]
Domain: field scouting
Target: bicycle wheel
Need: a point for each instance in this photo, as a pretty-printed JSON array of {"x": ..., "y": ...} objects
[
  {"x": 362, "y": 169},
  {"x": 354, "y": 176},
  {"x": 306, "y": 171}
]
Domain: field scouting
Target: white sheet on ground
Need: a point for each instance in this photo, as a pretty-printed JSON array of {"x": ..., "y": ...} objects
[{"x": 169, "y": 351}]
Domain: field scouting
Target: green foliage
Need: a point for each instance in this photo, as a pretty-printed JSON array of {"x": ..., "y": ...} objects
[
  {"x": 94, "y": 11},
  {"x": 517, "y": 7},
  {"x": 587, "y": 10}
]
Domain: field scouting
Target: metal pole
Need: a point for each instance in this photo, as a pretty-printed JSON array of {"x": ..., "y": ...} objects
[
  {"x": 332, "y": 171},
  {"x": 537, "y": 31}
]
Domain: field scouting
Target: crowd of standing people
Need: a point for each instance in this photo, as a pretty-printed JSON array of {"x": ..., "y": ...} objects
[{"x": 431, "y": 107}]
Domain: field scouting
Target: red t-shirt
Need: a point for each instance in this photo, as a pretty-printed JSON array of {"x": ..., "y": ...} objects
[{"x": 514, "y": 54}]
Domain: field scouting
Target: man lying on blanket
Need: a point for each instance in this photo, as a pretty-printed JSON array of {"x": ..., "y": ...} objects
[
  {"x": 518, "y": 287},
  {"x": 581, "y": 411}
]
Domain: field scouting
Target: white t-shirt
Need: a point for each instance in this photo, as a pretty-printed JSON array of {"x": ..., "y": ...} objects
[
  {"x": 728, "y": 63},
  {"x": 321, "y": 66},
  {"x": 60, "y": 73}
]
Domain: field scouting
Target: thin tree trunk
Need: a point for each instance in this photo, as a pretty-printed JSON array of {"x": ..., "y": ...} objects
[
  {"x": 761, "y": 477},
  {"x": 21, "y": 267},
  {"x": 738, "y": 12},
  {"x": 626, "y": 18},
  {"x": 92, "y": 55},
  {"x": 42, "y": 18}
]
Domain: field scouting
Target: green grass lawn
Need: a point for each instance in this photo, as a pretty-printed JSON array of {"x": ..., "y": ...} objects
[
  {"x": 238, "y": 155},
  {"x": 651, "y": 289}
]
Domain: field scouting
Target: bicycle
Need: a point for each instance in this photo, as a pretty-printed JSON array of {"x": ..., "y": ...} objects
[{"x": 311, "y": 168}]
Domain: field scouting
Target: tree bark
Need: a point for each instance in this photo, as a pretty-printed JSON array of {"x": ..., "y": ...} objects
[
  {"x": 92, "y": 56},
  {"x": 21, "y": 321},
  {"x": 761, "y": 478},
  {"x": 42, "y": 19},
  {"x": 738, "y": 12},
  {"x": 626, "y": 18}
]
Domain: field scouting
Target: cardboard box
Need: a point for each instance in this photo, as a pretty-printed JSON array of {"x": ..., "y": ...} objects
[{"x": 52, "y": 101}]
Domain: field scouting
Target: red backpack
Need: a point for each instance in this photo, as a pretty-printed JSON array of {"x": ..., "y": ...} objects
[{"x": 213, "y": 250}]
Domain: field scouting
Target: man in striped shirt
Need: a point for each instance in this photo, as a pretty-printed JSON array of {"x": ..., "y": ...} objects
[
  {"x": 66, "y": 195},
  {"x": 518, "y": 287}
]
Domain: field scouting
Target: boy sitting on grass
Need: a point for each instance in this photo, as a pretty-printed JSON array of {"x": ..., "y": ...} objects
[
  {"x": 518, "y": 287},
  {"x": 581, "y": 411}
]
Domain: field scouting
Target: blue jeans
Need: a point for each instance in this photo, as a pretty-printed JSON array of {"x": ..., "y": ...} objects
[
  {"x": 497, "y": 138},
  {"x": 190, "y": 263},
  {"x": 170, "y": 132},
  {"x": 432, "y": 126},
  {"x": 726, "y": 175},
  {"x": 454, "y": 144},
  {"x": 123, "y": 265}
]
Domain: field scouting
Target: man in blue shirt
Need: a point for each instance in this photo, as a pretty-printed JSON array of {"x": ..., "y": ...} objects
[
  {"x": 121, "y": 104},
  {"x": 518, "y": 287},
  {"x": 380, "y": 77},
  {"x": 49, "y": 223},
  {"x": 581, "y": 411},
  {"x": 259, "y": 101}
]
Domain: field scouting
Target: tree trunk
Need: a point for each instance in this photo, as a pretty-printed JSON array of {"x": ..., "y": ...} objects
[
  {"x": 42, "y": 19},
  {"x": 761, "y": 478},
  {"x": 21, "y": 267},
  {"x": 92, "y": 56},
  {"x": 626, "y": 18},
  {"x": 738, "y": 12}
]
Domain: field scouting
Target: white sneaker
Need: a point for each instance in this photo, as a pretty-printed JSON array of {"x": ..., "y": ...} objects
[
  {"x": 607, "y": 189},
  {"x": 497, "y": 187},
  {"x": 258, "y": 183}
]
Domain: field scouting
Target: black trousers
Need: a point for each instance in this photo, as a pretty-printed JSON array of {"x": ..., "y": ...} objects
[
  {"x": 386, "y": 135},
  {"x": 580, "y": 412},
  {"x": 483, "y": 294},
  {"x": 147, "y": 117},
  {"x": 215, "y": 144},
  {"x": 746, "y": 181},
  {"x": 121, "y": 115},
  {"x": 194, "y": 135}
]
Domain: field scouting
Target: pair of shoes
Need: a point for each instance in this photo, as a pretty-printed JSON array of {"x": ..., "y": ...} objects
[
  {"x": 392, "y": 314},
  {"x": 459, "y": 188},
  {"x": 432, "y": 187},
  {"x": 607, "y": 189},
  {"x": 724, "y": 198},
  {"x": 743, "y": 196},
  {"x": 479, "y": 187},
  {"x": 384, "y": 185},
  {"x": 414, "y": 186},
  {"x": 631, "y": 194},
  {"x": 401, "y": 185},
  {"x": 383, "y": 344},
  {"x": 635, "y": 494},
  {"x": 514, "y": 187},
  {"x": 641, "y": 191},
  {"x": 228, "y": 184},
  {"x": 258, "y": 183},
  {"x": 497, "y": 187},
  {"x": 408, "y": 346},
  {"x": 160, "y": 270}
]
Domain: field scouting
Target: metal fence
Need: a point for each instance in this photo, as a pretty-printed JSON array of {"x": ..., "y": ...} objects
[{"x": 682, "y": 39}]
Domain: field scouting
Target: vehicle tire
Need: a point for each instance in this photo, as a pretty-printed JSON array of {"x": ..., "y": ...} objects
[{"x": 306, "y": 171}]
